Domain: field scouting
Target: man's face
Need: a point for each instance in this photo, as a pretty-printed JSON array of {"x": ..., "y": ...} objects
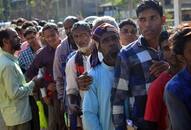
[
  {"x": 32, "y": 39},
  {"x": 68, "y": 26},
  {"x": 169, "y": 56},
  {"x": 168, "y": 53},
  {"x": 14, "y": 40},
  {"x": 128, "y": 34},
  {"x": 109, "y": 46},
  {"x": 187, "y": 53},
  {"x": 150, "y": 24},
  {"x": 52, "y": 37},
  {"x": 166, "y": 49},
  {"x": 81, "y": 37}
]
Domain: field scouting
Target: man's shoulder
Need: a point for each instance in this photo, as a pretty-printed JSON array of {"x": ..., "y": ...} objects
[
  {"x": 132, "y": 45},
  {"x": 70, "y": 64},
  {"x": 42, "y": 50},
  {"x": 95, "y": 71},
  {"x": 129, "y": 50},
  {"x": 64, "y": 43},
  {"x": 71, "y": 59},
  {"x": 5, "y": 62},
  {"x": 174, "y": 84},
  {"x": 25, "y": 51},
  {"x": 161, "y": 81},
  {"x": 63, "y": 47}
]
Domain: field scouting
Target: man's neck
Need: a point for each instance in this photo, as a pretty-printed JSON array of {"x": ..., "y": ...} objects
[
  {"x": 59, "y": 41},
  {"x": 10, "y": 51},
  {"x": 35, "y": 48},
  {"x": 153, "y": 44},
  {"x": 108, "y": 63}
]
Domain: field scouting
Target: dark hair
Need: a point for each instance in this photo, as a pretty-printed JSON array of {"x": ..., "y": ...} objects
[
  {"x": 164, "y": 35},
  {"x": 18, "y": 29},
  {"x": 81, "y": 25},
  {"x": 180, "y": 38},
  {"x": 27, "y": 24},
  {"x": 20, "y": 20},
  {"x": 149, "y": 4},
  {"x": 4, "y": 34},
  {"x": 42, "y": 23},
  {"x": 50, "y": 26},
  {"x": 35, "y": 22},
  {"x": 30, "y": 30},
  {"x": 127, "y": 22},
  {"x": 73, "y": 19}
]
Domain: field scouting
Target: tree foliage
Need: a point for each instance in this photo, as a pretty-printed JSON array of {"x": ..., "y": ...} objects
[{"x": 122, "y": 2}]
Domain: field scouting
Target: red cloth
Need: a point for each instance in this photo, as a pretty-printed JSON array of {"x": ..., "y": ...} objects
[{"x": 156, "y": 110}]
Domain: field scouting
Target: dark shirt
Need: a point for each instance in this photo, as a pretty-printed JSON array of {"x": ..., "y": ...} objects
[{"x": 44, "y": 59}]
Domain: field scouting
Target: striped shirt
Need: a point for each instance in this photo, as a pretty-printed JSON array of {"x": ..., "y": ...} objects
[
  {"x": 132, "y": 79},
  {"x": 26, "y": 57}
]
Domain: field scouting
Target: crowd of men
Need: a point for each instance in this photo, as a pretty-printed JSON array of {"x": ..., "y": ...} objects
[{"x": 96, "y": 75}]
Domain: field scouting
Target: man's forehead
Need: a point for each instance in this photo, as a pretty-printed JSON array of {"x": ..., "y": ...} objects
[
  {"x": 108, "y": 35},
  {"x": 148, "y": 13},
  {"x": 50, "y": 30},
  {"x": 80, "y": 30}
]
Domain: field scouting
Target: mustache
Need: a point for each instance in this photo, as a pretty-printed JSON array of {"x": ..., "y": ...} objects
[{"x": 114, "y": 53}]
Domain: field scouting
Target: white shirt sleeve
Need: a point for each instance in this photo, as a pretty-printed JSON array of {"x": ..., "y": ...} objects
[{"x": 71, "y": 83}]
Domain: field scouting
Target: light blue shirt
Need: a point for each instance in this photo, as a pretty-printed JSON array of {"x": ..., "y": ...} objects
[
  {"x": 14, "y": 91},
  {"x": 96, "y": 105}
]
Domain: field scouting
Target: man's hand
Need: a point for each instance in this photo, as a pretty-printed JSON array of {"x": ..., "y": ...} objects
[
  {"x": 72, "y": 104},
  {"x": 47, "y": 100},
  {"x": 75, "y": 109},
  {"x": 158, "y": 67},
  {"x": 38, "y": 83},
  {"x": 84, "y": 81}
]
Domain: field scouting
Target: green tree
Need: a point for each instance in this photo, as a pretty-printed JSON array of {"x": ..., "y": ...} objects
[
  {"x": 43, "y": 9},
  {"x": 126, "y": 5},
  {"x": 122, "y": 2},
  {"x": 1, "y": 9}
]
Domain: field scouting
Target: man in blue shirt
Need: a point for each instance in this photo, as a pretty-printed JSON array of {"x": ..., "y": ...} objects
[
  {"x": 178, "y": 90},
  {"x": 96, "y": 105}
]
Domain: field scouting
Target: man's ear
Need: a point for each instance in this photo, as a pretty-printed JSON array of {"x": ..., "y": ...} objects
[
  {"x": 5, "y": 41},
  {"x": 163, "y": 20}
]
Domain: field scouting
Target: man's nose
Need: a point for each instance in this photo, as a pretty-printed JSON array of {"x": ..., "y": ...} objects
[{"x": 148, "y": 23}]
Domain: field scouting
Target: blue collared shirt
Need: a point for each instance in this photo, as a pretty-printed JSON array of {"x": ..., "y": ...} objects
[
  {"x": 96, "y": 105},
  {"x": 177, "y": 96}
]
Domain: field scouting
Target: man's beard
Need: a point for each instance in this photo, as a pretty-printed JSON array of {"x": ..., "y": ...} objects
[
  {"x": 84, "y": 49},
  {"x": 16, "y": 47}
]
